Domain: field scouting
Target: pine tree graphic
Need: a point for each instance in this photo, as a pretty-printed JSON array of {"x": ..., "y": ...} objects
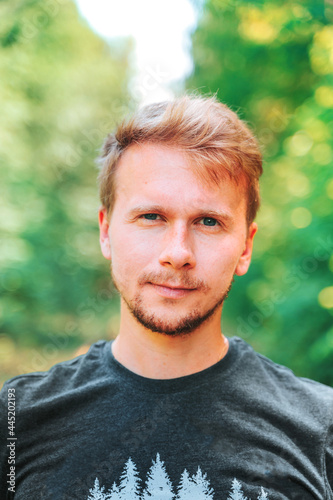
[
  {"x": 129, "y": 487},
  {"x": 195, "y": 487},
  {"x": 158, "y": 484},
  {"x": 185, "y": 487},
  {"x": 236, "y": 493},
  {"x": 159, "y": 487},
  {"x": 263, "y": 495},
  {"x": 96, "y": 493},
  {"x": 114, "y": 493},
  {"x": 202, "y": 489}
]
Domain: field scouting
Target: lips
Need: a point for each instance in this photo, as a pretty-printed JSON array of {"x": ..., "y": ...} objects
[
  {"x": 174, "y": 287},
  {"x": 172, "y": 291}
]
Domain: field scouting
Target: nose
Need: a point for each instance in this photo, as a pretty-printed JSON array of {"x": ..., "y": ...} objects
[{"x": 178, "y": 248}]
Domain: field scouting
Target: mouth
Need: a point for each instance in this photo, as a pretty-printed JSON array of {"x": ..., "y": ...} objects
[{"x": 172, "y": 291}]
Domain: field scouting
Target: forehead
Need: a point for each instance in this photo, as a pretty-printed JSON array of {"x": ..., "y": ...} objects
[{"x": 159, "y": 173}]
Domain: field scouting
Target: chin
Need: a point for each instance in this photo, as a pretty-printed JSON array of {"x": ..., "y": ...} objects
[{"x": 180, "y": 327}]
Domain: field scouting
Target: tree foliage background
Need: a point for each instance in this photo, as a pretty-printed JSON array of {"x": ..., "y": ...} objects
[{"x": 62, "y": 89}]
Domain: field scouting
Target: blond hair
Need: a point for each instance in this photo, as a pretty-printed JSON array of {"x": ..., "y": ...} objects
[{"x": 216, "y": 141}]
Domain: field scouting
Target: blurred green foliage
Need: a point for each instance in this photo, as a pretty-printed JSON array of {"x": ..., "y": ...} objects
[
  {"x": 61, "y": 91},
  {"x": 272, "y": 61}
]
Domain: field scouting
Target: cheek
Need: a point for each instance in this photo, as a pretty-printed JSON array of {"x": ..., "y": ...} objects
[
  {"x": 221, "y": 263},
  {"x": 130, "y": 253}
]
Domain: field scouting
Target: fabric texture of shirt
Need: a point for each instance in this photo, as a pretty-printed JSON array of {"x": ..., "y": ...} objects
[{"x": 242, "y": 429}]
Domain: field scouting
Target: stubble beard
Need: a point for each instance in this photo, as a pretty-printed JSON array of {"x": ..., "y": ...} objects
[{"x": 182, "y": 327}]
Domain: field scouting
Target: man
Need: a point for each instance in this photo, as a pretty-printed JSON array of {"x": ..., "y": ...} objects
[{"x": 173, "y": 409}]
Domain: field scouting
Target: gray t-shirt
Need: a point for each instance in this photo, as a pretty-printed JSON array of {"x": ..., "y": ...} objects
[{"x": 243, "y": 429}]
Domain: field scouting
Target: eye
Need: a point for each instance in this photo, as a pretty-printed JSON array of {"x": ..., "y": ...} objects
[
  {"x": 150, "y": 216},
  {"x": 209, "y": 221}
]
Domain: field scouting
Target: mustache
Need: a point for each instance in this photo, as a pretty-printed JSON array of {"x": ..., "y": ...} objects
[{"x": 182, "y": 281}]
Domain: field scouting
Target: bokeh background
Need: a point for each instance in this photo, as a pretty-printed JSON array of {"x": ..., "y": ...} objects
[{"x": 63, "y": 87}]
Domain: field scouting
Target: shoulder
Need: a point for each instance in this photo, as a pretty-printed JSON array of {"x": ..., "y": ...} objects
[
  {"x": 278, "y": 382},
  {"x": 63, "y": 377}
]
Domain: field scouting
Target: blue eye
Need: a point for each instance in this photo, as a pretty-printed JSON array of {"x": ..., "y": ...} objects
[
  {"x": 150, "y": 216},
  {"x": 209, "y": 221}
]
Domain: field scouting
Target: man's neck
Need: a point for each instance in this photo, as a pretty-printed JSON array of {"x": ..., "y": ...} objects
[{"x": 158, "y": 356}]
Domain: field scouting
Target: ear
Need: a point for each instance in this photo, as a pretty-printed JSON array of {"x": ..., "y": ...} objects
[
  {"x": 104, "y": 233},
  {"x": 245, "y": 259}
]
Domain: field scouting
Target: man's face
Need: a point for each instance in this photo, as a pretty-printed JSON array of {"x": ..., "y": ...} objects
[{"x": 174, "y": 242}]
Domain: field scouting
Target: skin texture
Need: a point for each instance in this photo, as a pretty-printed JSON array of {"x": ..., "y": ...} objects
[{"x": 175, "y": 245}]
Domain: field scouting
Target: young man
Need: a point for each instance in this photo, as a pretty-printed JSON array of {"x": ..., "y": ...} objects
[{"x": 173, "y": 409}]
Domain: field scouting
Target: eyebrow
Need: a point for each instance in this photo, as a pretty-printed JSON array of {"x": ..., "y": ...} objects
[{"x": 139, "y": 209}]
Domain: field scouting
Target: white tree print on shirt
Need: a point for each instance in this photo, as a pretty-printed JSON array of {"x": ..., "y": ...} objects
[
  {"x": 185, "y": 491},
  {"x": 159, "y": 487},
  {"x": 158, "y": 484},
  {"x": 129, "y": 487},
  {"x": 236, "y": 491},
  {"x": 114, "y": 493},
  {"x": 263, "y": 495},
  {"x": 237, "y": 494},
  {"x": 96, "y": 493},
  {"x": 196, "y": 487}
]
